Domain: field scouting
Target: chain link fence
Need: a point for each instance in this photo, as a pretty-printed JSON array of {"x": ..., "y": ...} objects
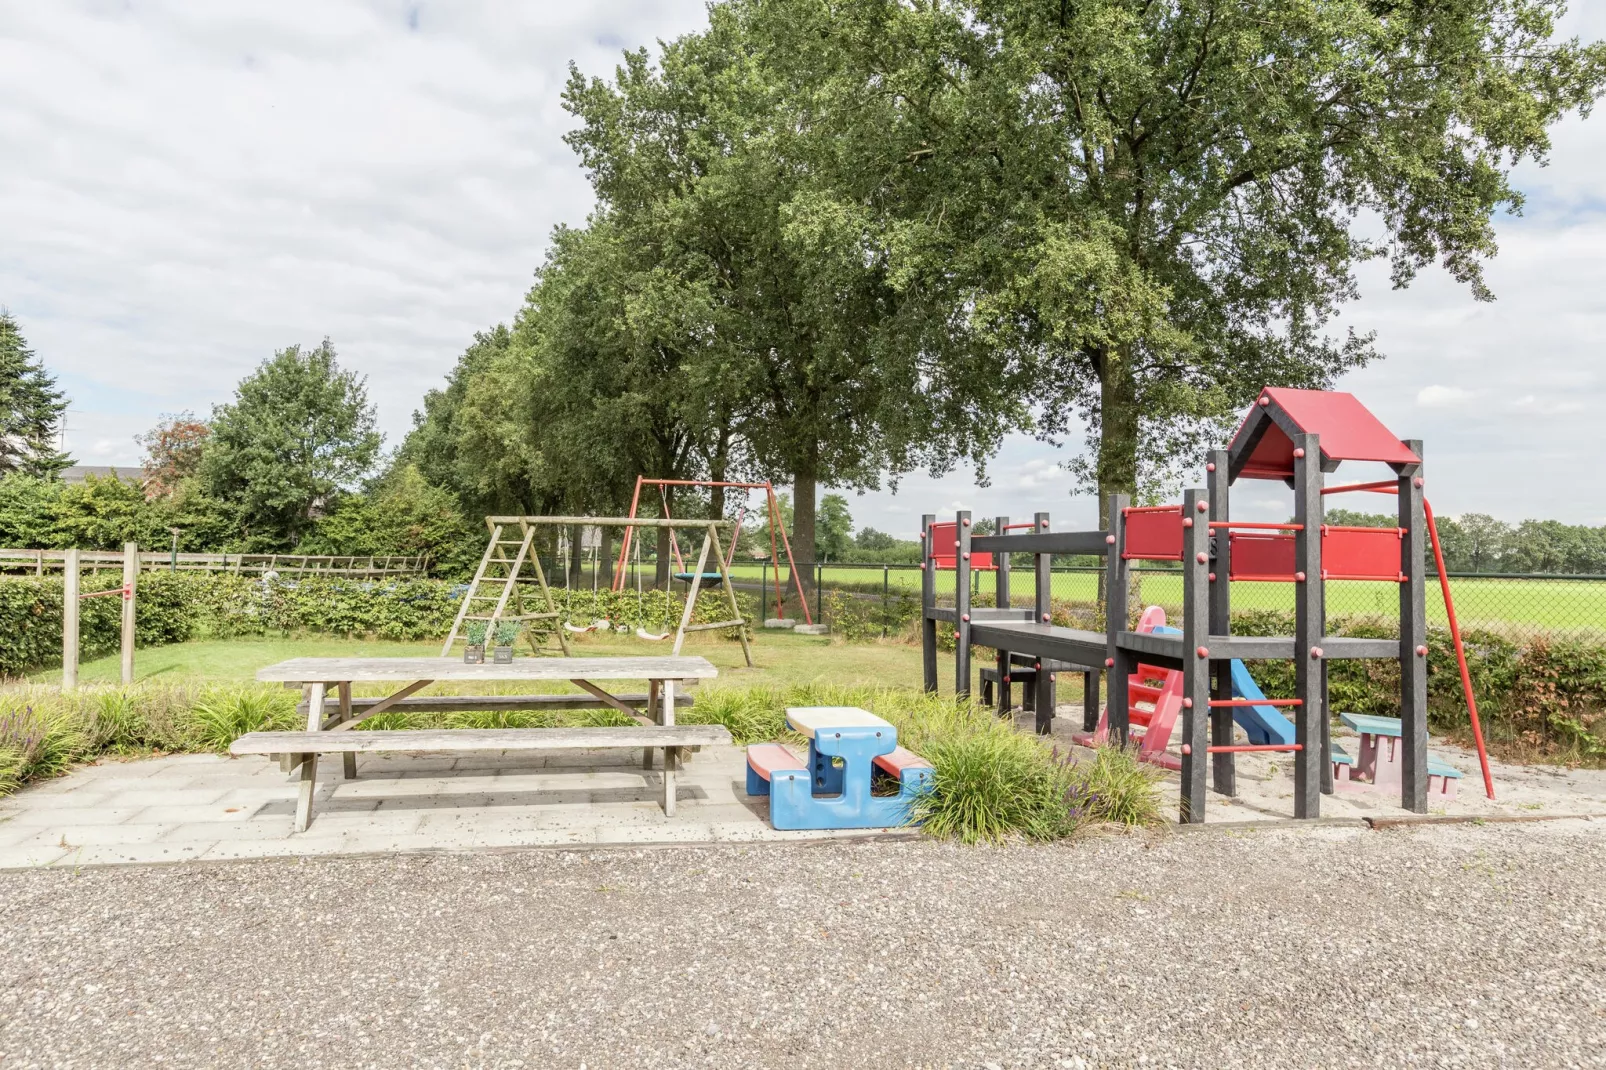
[
  {"x": 1520, "y": 607},
  {"x": 865, "y": 600}
]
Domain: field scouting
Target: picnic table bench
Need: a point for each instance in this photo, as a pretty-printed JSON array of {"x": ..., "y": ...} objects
[
  {"x": 818, "y": 793},
  {"x": 1378, "y": 768},
  {"x": 327, "y": 730}
]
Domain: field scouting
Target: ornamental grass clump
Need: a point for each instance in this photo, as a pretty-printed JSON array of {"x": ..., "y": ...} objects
[
  {"x": 222, "y": 715},
  {"x": 42, "y": 739}
]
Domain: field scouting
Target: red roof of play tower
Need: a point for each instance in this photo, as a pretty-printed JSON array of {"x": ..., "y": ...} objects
[{"x": 1262, "y": 448}]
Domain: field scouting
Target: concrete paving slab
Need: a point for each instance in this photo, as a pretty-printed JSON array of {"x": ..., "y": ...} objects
[
  {"x": 30, "y": 856},
  {"x": 94, "y": 835}
]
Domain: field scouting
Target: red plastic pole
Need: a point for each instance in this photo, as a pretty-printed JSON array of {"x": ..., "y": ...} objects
[
  {"x": 1460, "y": 651},
  {"x": 624, "y": 546}
]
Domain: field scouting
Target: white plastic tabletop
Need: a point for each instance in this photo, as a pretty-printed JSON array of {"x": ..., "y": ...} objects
[{"x": 809, "y": 719}]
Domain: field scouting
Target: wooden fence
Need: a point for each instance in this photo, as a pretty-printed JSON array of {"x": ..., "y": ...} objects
[{"x": 39, "y": 562}]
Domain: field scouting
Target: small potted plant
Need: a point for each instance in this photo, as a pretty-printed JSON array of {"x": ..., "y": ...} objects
[
  {"x": 474, "y": 652},
  {"x": 507, "y": 632}
]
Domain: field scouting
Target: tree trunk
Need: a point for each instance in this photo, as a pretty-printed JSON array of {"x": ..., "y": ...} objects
[
  {"x": 577, "y": 556},
  {"x": 605, "y": 561},
  {"x": 1118, "y": 428},
  {"x": 665, "y": 555},
  {"x": 804, "y": 489}
]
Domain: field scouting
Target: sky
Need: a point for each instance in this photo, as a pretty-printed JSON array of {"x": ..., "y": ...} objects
[{"x": 188, "y": 187}]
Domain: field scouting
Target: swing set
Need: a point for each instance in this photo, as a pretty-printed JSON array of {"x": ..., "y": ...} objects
[
  {"x": 778, "y": 540},
  {"x": 511, "y": 586}
]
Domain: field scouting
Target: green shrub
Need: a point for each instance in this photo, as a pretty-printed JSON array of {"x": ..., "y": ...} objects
[
  {"x": 222, "y": 715},
  {"x": 1114, "y": 787}
]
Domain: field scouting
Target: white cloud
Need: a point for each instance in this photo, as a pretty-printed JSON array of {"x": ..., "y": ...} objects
[
  {"x": 1443, "y": 397},
  {"x": 189, "y": 186}
]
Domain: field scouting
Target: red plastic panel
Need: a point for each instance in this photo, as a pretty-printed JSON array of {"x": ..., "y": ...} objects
[
  {"x": 1348, "y": 430},
  {"x": 945, "y": 549},
  {"x": 1361, "y": 554},
  {"x": 1262, "y": 555},
  {"x": 1154, "y": 536},
  {"x": 1347, "y": 554}
]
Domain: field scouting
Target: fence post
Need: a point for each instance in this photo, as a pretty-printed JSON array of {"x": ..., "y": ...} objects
[
  {"x": 763, "y": 594},
  {"x": 819, "y": 581},
  {"x": 69, "y": 620},
  {"x": 130, "y": 577},
  {"x": 886, "y": 609}
]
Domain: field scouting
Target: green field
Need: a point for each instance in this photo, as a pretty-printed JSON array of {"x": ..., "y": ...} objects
[{"x": 1496, "y": 603}]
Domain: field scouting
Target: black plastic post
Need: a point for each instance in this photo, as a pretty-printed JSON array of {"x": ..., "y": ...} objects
[
  {"x": 1196, "y": 659},
  {"x": 1223, "y": 768},
  {"x": 1090, "y": 700},
  {"x": 1120, "y": 666},
  {"x": 962, "y": 604},
  {"x": 1308, "y": 626},
  {"x": 1044, "y": 697},
  {"x": 1413, "y": 640},
  {"x": 928, "y": 602},
  {"x": 1001, "y": 601}
]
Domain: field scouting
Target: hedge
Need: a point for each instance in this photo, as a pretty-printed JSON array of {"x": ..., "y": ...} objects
[{"x": 172, "y": 607}]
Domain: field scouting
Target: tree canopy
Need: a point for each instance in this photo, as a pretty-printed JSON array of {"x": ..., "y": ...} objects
[
  {"x": 31, "y": 408},
  {"x": 299, "y": 430}
]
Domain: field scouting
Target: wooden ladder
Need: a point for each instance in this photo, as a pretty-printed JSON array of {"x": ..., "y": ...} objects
[{"x": 502, "y": 575}]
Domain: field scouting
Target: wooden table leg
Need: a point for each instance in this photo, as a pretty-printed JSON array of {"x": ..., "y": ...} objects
[
  {"x": 654, "y": 714},
  {"x": 666, "y": 715},
  {"x": 288, "y": 762},
  {"x": 309, "y": 762},
  {"x": 348, "y": 759}
]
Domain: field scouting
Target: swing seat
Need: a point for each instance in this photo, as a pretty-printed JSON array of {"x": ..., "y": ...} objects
[
  {"x": 689, "y": 576},
  {"x": 577, "y": 630},
  {"x": 642, "y": 633}
]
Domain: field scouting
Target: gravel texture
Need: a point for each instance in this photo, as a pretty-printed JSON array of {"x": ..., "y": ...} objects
[{"x": 1437, "y": 946}]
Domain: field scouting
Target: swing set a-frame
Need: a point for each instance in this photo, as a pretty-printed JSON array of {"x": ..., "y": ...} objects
[
  {"x": 779, "y": 543},
  {"x": 511, "y": 586}
]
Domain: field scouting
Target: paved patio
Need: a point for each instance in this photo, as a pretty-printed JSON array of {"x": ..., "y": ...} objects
[{"x": 184, "y": 807}]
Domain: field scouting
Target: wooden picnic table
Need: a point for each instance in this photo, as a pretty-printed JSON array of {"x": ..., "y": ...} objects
[{"x": 654, "y": 712}]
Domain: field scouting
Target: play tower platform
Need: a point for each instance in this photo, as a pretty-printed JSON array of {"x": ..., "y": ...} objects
[{"x": 1296, "y": 436}]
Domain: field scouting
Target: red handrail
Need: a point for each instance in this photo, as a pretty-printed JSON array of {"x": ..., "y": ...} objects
[
  {"x": 1241, "y": 748},
  {"x": 1389, "y": 485},
  {"x": 1257, "y": 525},
  {"x": 1460, "y": 650}
]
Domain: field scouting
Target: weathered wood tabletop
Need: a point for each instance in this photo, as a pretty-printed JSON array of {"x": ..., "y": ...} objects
[{"x": 361, "y": 670}]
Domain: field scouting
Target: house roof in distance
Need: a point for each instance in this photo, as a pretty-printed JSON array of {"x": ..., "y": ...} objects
[{"x": 129, "y": 473}]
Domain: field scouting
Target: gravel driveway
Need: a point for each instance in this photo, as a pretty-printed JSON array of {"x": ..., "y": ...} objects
[{"x": 1442, "y": 946}]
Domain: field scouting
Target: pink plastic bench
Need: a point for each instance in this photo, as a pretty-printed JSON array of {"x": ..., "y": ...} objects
[
  {"x": 895, "y": 763},
  {"x": 767, "y": 759}
]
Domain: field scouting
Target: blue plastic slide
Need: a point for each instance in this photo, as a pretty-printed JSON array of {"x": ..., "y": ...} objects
[{"x": 1263, "y": 723}]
